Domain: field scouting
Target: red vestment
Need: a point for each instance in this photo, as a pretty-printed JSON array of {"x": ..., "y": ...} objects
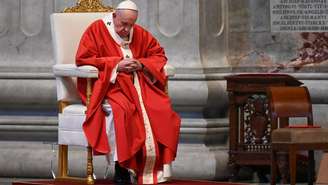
[{"x": 98, "y": 48}]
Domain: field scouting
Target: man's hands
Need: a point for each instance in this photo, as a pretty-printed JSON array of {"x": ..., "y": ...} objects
[{"x": 129, "y": 65}]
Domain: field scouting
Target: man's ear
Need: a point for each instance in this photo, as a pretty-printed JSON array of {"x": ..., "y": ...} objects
[{"x": 114, "y": 15}]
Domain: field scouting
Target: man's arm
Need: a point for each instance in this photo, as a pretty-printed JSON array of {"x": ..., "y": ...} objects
[
  {"x": 88, "y": 54},
  {"x": 154, "y": 60}
]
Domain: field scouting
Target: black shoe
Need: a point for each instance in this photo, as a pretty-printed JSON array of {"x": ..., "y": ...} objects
[{"x": 122, "y": 175}]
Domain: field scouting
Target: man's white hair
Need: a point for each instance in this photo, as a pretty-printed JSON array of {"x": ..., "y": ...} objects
[{"x": 127, "y": 5}]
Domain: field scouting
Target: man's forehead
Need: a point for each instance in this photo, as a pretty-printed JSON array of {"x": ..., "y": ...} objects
[
  {"x": 127, "y": 15},
  {"x": 126, "y": 12}
]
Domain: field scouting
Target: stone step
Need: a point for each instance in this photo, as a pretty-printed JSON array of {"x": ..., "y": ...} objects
[{"x": 28, "y": 128}]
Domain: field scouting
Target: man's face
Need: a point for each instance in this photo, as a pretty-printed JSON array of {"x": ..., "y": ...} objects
[{"x": 124, "y": 21}]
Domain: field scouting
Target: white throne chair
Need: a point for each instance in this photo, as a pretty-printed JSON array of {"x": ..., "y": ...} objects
[{"x": 67, "y": 29}]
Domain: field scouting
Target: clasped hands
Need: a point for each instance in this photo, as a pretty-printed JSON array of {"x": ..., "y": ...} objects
[{"x": 129, "y": 65}]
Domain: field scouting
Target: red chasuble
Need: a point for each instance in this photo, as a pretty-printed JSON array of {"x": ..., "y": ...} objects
[{"x": 98, "y": 48}]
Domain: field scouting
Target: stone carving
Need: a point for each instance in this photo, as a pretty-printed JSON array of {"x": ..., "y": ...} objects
[
  {"x": 3, "y": 19},
  {"x": 170, "y": 23},
  {"x": 31, "y": 17},
  {"x": 89, "y": 6}
]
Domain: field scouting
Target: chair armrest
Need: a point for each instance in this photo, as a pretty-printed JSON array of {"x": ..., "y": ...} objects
[
  {"x": 71, "y": 70},
  {"x": 169, "y": 70},
  {"x": 89, "y": 71}
]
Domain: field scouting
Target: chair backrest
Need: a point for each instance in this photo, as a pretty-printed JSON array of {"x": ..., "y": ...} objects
[
  {"x": 66, "y": 30},
  {"x": 286, "y": 102}
]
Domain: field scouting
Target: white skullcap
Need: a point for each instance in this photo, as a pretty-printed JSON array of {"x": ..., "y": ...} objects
[{"x": 127, "y": 5}]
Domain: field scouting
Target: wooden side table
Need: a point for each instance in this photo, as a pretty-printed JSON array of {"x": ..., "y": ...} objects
[{"x": 250, "y": 140}]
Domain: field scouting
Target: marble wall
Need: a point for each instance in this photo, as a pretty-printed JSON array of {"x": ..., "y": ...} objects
[
  {"x": 252, "y": 44},
  {"x": 203, "y": 40},
  {"x": 191, "y": 39},
  {"x": 252, "y": 47},
  {"x": 193, "y": 34}
]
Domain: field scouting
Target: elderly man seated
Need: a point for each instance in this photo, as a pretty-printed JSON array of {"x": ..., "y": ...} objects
[{"x": 145, "y": 130}]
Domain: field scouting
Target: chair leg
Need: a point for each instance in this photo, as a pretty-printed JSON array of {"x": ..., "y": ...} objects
[
  {"x": 90, "y": 179},
  {"x": 311, "y": 168},
  {"x": 292, "y": 165},
  {"x": 62, "y": 160},
  {"x": 283, "y": 166},
  {"x": 273, "y": 167}
]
